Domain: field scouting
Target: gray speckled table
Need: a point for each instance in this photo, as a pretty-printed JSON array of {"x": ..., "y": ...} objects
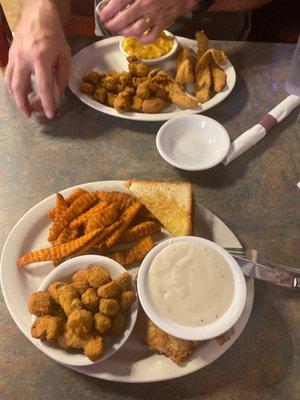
[{"x": 256, "y": 196}]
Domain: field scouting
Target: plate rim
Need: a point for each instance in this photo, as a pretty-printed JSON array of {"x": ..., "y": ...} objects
[
  {"x": 78, "y": 369},
  {"x": 134, "y": 116}
]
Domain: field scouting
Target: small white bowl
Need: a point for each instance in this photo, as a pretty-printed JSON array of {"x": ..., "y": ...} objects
[
  {"x": 192, "y": 142},
  {"x": 152, "y": 61},
  {"x": 220, "y": 326},
  {"x": 63, "y": 273}
]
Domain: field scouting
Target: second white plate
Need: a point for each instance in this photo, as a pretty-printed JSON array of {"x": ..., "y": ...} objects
[{"x": 104, "y": 56}]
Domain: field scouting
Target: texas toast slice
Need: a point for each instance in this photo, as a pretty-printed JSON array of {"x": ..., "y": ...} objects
[{"x": 171, "y": 202}]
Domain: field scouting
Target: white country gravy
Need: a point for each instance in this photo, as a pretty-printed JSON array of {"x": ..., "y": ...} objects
[{"x": 190, "y": 283}]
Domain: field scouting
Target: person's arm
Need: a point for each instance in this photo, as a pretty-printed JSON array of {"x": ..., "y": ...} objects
[
  {"x": 237, "y": 5},
  {"x": 40, "y": 48}
]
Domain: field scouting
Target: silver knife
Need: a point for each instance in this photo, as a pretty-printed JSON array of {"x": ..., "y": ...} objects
[{"x": 268, "y": 274}]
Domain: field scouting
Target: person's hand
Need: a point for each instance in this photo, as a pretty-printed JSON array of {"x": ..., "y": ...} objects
[
  {"x": 40, "y": 48},
  {"x": 134, "y": 18}
]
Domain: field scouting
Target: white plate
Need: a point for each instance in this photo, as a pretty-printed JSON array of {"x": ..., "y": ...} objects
[
  {"x": 134, "y": 362},
  {"x": 105, "y": 55}
]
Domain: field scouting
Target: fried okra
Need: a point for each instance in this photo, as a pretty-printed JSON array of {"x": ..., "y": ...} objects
[
  {"x": 108, "y": 291},
  {"x": 98, "y": 276},
  {"x": 117, "y": 324},
  {"x": 100, "y": 95},
  {"x": 137, "y": 103},
  {"x": 80, "y": 322},
  {"x": 54, "y": 290},
  {"x": 47, "y": 327},
  {"x": 102, "y": 322},
  {"x": 90, "y": 299},
  {"x": 81, "y": 280},
  {"x": 110, "y": 98},
  {"x": 153, "y": 105},
  {"x": 87, "y": 88},
  {"x": 94, "y": 348},
  {"x": 69, "y": 300},
  {"x": 92, "y": 77},
  {"x": 69, "y": 340},
  {"x": 124, "y": 282},
  {"x": 126, "y": 300},
  {"x": 109, "y": 307},
  {"x": 40, "y": 303},
  {"x": 136, "y": 67}
]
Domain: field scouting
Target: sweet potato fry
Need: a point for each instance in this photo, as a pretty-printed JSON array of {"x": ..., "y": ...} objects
[
  {"x": 103, "y": 218},
  {"x": 60, "y": 206},
  {"x": 139, "y": 231},
  {"x": 126, "y": 219},
  {"x": 84, "y": 217},
  {"x": 135, "y": 253},
  {"x": 66, "y": 235},
  {"x": 74, "y": 195},
  {"x": 124, "y": 199},
  {"x": 97, "y": 239},
  {"x": 80, "y": 205},
  {"x": 56, "y": 252}
]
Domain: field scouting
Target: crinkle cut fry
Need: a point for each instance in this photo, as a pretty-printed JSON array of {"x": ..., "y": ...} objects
[
  {"x": 103, "y": 218},
  {"x": 84, "y": 217},
  {"x": 125, "y": 199},
  {"x": 60, "y": 206},
  {"x": 139, "y": 231},
  {"x": 79, "y": 206},
  {"x": 133, "y": 254},
  {"x": 97, "y": 239},
  {"x": 66, "y": 235},
  {"x": 75, "y": 195},
  {"x": 126, "y": 219},
  {"x": 59, "y": 251}
]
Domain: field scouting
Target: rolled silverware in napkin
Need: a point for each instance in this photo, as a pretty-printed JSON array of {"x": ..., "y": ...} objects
[{"x": 258, "y": 131}]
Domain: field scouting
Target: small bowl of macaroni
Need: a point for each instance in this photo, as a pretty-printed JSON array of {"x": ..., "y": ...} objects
[{"x": 164, "y": 47}]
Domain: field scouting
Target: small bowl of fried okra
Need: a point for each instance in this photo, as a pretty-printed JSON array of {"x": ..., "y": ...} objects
[{"x": 84, "y": 310}]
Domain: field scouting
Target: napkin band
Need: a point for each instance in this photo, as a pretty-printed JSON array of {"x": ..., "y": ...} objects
[{"x": 268, "y": 122}]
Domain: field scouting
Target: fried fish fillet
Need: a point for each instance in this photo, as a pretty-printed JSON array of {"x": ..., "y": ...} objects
[
  {"x": 84, "y": 217},
  {"x": 212, "y": 54},
  {"x": 139, "y": 231},
  {"x": 103, "y": 218},
  {"x": 80, "y": 205},
  {"x": 185, "y": 67},
  {"x": 202, "y": 41},
  {"x": 204, "y": 82},
  {"x": 58, "y": 251},
  {"x": 219, "y": 77},
  {"x": 133, "y": 254},
  {"x": 179, "y": 97},
  {"x": 178, "y": 350}
]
